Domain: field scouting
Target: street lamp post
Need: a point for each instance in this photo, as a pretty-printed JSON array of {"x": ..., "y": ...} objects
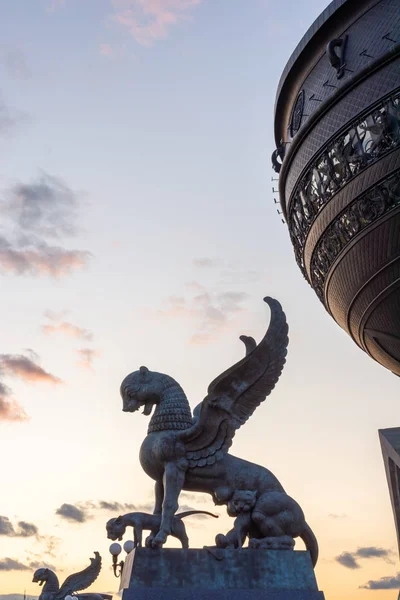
[{"x": 115, "y": 551}]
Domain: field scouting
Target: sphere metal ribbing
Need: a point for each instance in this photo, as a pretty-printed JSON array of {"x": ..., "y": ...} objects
[{"x": 337, "y": 130}]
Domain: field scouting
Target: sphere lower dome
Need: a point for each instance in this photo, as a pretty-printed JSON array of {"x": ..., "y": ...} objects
[{"x": 337, "y": 129}]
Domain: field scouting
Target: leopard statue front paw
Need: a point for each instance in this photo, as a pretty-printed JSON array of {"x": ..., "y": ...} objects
[{"x": 283, "y": 542}]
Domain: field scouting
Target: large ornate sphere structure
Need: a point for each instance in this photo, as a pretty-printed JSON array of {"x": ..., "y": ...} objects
[{"x": 337, "y": 130}]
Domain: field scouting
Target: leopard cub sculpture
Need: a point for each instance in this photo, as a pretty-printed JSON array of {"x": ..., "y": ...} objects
[
  {"x": 185, "y": 452},
  {"x": 271, "y": 521},
  {"x": 140, "y": 521}
]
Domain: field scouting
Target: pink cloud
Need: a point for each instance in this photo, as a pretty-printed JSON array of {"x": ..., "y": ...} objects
[
  {"x": 20, "y": 367},
  {"x": 211, "y": 311},
  {"x": 66, "y": 328},
  {"x": 35, "y": 214},
  {"x": 86, "y": 357},
  {"x": 149, "y": 20},
  {"x": 10, "y": 410},
  {"x": 25, "y": 368},
  {"x": 45, "y": 260},
  {"x": 106, "y": 50}
]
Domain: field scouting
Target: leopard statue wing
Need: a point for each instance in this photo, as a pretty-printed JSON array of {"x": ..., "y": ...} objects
[
  {"x": 81, "y": 580},
  {"x": 235, "y": 394}
]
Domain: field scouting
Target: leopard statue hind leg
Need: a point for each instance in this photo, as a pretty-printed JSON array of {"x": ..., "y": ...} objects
[{"x": 178, "y": 530}]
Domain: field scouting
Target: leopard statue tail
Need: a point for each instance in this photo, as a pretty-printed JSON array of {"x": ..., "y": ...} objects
[
  {"x": 311, "y": 543},
  {"x": 182, "y": 515}
]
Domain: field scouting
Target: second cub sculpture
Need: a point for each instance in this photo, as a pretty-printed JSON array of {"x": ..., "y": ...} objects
[
  {"x": 142, "y": 521},
  {"x": 271, "y": 521}
]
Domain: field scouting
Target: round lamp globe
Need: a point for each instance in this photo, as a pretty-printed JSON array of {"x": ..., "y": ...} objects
[
  {"x": 129, "y": 546},
  {"x": 115, "y": 549}
]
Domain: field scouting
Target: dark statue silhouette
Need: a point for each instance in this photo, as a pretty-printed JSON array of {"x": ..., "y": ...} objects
[
  {"x": 182, "y": 452},
  {"x": 74, "y": 583}
]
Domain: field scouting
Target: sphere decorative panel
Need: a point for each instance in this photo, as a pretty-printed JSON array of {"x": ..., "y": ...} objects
[{"x": 337, "y": 130}]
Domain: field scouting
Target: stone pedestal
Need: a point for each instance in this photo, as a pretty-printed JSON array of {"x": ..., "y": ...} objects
[{"x": 194, "y": 574}]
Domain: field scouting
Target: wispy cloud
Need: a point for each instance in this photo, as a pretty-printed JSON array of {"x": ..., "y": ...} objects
[
  {"x": 151, "y": 20},
  {"x": 40, "y": 564},
  {"x": 11, "y": 564},
  {"x": 347, "y": 559},
  {"x": 59, "y": 325},
  {"x": 38, "y": 214},
  {"x": 375, "y": 552},
  {"x": 40, "y": 259},
  {"x": 47, "y": 547},
  {"x": 210, "y": 310},
  {"x": 51, "y": 543},
  {"x": 189, "y": 497},
  {"x": 14, "y": 61},
  {"x": 212, "y": 303},
  {"x": 121, "y": 507},
  {"x": 350, "y": 559},
  {"x": 384, "y": 583},
  {"x": 47, "y": 207},
  {"x": 86, "y": 357},
  {"x": 146, "y": 20},
  {"x": 80, "y": 512},
  {"x": 10, "y": 409},
  {"x": 115, "y": 506},
  {"x": 336, "y": 516},
  {"x": 193, "y": 501},
  {"x": 23, "y": 529},
  {"x": 25, "y": 368},
  {"x": 73, "y": 513}
]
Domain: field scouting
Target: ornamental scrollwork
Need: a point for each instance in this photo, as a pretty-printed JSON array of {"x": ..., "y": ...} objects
[
  {"x": 338, "y": 60},
  {"x": 366, "y": 140},
  {"x": 277, "y": 157},
  {"x": 297, "y": 114},
  {"x": 364, "y": 211}
]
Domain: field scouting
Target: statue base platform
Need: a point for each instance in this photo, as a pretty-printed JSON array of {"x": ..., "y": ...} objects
[{"x": 194, "y": 574}]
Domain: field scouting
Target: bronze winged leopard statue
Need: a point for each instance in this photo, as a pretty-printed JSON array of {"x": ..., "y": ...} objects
[
  {"x": 73, "y": 583},
  {"x": 182, "y": 452}
]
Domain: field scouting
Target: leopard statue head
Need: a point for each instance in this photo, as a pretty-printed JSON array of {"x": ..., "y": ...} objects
[
  {"x": 115, "y": 529},
  {"x": 141, "y": 388},
  {"x": 41, "y": 576}
]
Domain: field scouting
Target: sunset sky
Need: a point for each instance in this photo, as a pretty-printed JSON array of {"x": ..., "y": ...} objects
[{"x": 139, "y": 227}]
